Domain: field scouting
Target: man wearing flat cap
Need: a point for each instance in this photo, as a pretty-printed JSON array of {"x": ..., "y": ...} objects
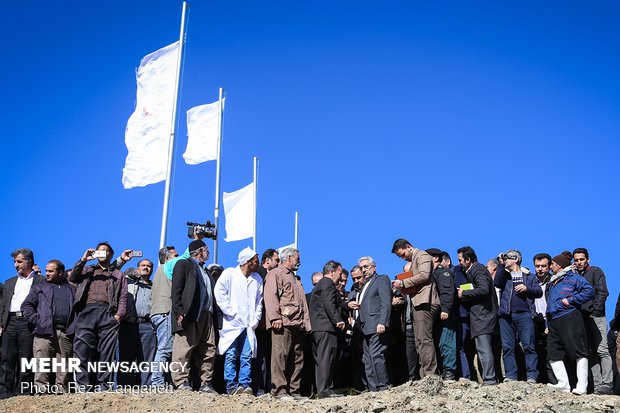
[
  {"x": 239, "y": 295},
  {"x": 193, "y": 307},
  {"x": 448, "y": 314}
]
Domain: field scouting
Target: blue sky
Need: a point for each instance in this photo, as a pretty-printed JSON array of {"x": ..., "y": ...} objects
[{"x": 490, "y": 124}]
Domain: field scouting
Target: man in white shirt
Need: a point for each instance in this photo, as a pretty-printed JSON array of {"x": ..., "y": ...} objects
[
  {"x": 239, "y": 293},
  {"x": 16, "y": 336}
]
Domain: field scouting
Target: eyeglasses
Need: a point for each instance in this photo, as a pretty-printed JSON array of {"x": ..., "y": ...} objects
[{"x": 367, "y": 266}]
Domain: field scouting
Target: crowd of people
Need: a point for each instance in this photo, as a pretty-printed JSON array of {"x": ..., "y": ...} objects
[{"x": 252, "y": 329}]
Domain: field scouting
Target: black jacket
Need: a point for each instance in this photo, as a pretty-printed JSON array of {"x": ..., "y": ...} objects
[
  {"x": 445, "y": 287},
  {"x": 7, "y": 295},
  {"x": 38, "y": 307},
  {"x": 596, "y": 278},
  {"x": 481, "y": 301},
  {"x": 324, "y": 306},
  {"x": 186, "y": 293}
]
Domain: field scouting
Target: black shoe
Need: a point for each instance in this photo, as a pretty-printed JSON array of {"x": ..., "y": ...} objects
[
  {"x": 448, "y": 376},
  {"x": 185, "y": 386},
  {"x": 206, "y": 388}
]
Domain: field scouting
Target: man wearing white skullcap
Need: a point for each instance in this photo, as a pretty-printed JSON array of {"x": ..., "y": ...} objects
[{"x": 239, "y": 294}]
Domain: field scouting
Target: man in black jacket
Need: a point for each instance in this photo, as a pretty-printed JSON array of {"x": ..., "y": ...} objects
[
  {"x": 47, "y": 309},
  {"x": 480, "y": 298},
  {"x": 16, "y": 336},
  {"x": 193, "y": 306},
  {"x": 325, "y": 319},
  {"x": 596, "y": 324}
]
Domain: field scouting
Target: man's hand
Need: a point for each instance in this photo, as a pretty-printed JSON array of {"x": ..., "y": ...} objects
[
  {"x": 126, "y": 255},
  {"x": 520, "y": 288},
  {"x": 117, "y": 317},
  {"x": 180, "y": 320},
  {"x": 340, "y": 325},
  {"x": 198, "y": 236},
  {"x": 0, "y": 331},
  {"x": 88, "y": 255},
  {"x": 565, "y": 302},
  {"x": 398, "y": 301},
  {"x": 276, "y": 325},
  {"x": 380, "y": 329},
  {"x": 443, "y": 316},
  {"x": 459, "y": 292},
  {"x": 353, "y": 305},
  {"x": 398, "y": 284}
]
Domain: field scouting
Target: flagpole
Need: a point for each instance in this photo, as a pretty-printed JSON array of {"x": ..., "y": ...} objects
[
  {"x": 296, "y": 228},
  {"x": 164, "y": 219},
  {"x": 218, "y": 171},
  {"x": 255, "y": 201}
]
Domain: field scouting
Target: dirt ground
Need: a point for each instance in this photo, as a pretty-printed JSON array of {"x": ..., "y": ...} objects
[{"x": 430, "y": 394}]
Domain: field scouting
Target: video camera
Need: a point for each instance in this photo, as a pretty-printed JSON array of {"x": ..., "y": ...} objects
[{"x": 207, "y": 230}]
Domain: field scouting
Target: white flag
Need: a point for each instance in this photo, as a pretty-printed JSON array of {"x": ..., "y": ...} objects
[
  {"x": 148, "y": 131},
  {"x": 239, "y": 210},
  {"x": 202, "y": 133}
]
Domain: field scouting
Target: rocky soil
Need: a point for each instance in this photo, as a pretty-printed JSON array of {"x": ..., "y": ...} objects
[{"x": 430, "y": 394}]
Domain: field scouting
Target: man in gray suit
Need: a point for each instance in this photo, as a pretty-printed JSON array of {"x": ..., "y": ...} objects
[{"x": 374, "y": 305}]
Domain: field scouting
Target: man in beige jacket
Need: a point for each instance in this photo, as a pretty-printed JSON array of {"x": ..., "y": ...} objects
[
  {"x": 425, "y": 302},
  {"x": 288, "y": 318}
]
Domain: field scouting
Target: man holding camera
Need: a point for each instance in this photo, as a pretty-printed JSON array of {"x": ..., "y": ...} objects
[
  {"x": 136, "y": 326},
  {"x": 517, "y": 311},
  {"x": 100, "y": 305}
]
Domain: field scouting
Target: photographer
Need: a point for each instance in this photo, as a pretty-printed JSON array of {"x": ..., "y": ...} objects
[{"x": 517, "y": 311}]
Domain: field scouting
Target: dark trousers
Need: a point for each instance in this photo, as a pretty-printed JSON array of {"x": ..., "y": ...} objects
[
  {"x": 136, "y": 343},
  {"x": 324, "y": 346},
  {"x": 413, "y": 362},
  {"x": 567, "y": 337},
  {"x": 518, "y": 326},
  {"x": 16, "y": 344},
  {"x": 375, "y": 347},
  {"x": 96, "y": 331},
  {"x": 357, "y": 353},
  {"x": 261, "y": 370},
  {"x": 465, "y": 349}
]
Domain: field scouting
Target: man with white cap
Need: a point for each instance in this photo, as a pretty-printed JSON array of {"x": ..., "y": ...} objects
[{"x": 239, "y": 294}]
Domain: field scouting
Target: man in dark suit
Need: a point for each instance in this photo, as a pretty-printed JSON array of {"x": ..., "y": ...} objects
[
  {"x": 375, "y": 305},
  {"x": 16, "y": 335},
  {"x": 193, "y": 307},
  {"x": 481, "y": 300},
  {"x": 325, "y": 319}
]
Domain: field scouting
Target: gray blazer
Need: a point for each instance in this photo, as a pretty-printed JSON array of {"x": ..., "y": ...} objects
[{"x": 376, "y": 304}]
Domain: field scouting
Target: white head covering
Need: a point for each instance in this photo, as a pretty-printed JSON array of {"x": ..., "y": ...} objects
[{"x": 246, "y": 255}]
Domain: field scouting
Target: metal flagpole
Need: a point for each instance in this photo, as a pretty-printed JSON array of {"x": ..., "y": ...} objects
[
  {"x": 255, "y": 198},
  {"x": 296, "y": 228},
  {"x": 218, "y": 170},
  {"x": 164, "y": 219}
]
